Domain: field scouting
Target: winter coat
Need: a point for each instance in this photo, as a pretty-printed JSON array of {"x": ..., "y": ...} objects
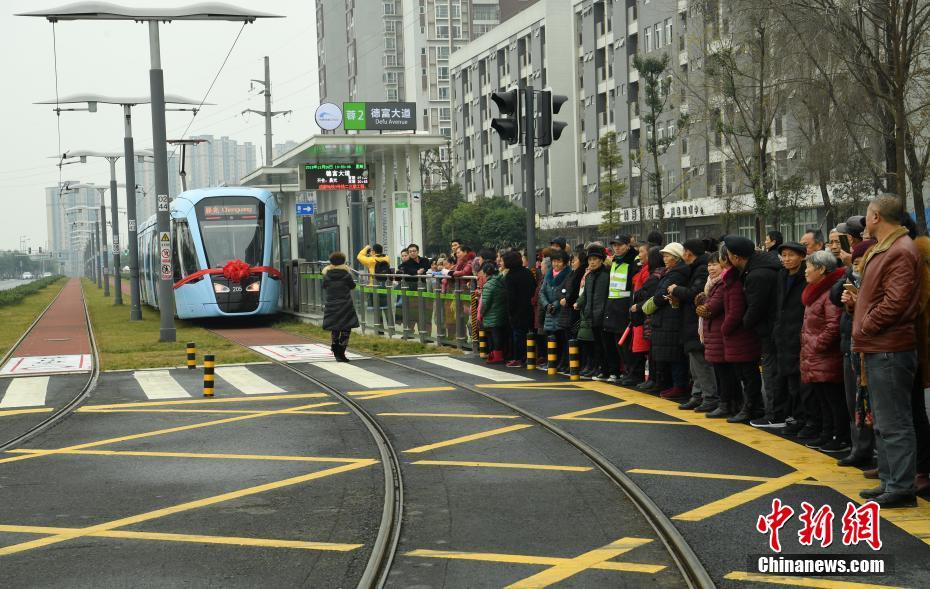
[
  {"x": 520, "y": 287},
  {"x": 549, "y": 294},
  {"x": 666, "y": 321},
  {"x": 570, "y": 291},
  {"x": 836, "y": 297},
  {"x": 640, "y": 343},
  {"x": 821, "y": 359},
  {"x": 713, "y": 325},
  {"x": 639, "y": 299},
  {"x": 789, "y": 317},
  {"x": 592, "y": 302},
  {"x": 923, "y": 316},
  {"x": 739, "y": 343},
  {"x": 339, "y": 310},
  {"x": 370, "y": 260},
  {"x": 617, "y": 312},
  {"x": 760, "y": 278},
  {"x": 494, "y": 302},
  {"x": 413, "y": 267},
  {"x": 685, "y": 293}
]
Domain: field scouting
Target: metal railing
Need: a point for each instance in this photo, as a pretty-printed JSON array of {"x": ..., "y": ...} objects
[{"x": 425, "y": 308}]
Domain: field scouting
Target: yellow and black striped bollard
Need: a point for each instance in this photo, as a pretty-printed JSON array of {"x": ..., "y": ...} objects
[
  {"x": 574, "y": 360},
  {"x": 208, "y": 365},
  {"x": 482, "y": 344},
  {"x": 531, "y": 350},
  {"x": 551, "y": 355},
  {"x": 191, "y": 355}
]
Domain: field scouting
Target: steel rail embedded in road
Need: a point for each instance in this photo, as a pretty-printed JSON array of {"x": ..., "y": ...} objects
[
  {"x": 385, "y": 545},
  {"x": 694, "y": 573},
  {"x": 82, "y": 394}
]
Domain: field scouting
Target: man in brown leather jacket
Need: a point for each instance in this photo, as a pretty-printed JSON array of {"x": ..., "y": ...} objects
[{"x": 884, "y": 334}]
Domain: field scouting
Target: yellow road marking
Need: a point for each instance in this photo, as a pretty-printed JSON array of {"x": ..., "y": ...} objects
[
  {"x": 250, "y": 399},
  {"x": 803, "y": 581},
  {"x": 549, "y": 561},
  {"x": 165, "y": 431},
  {"x": 572, "y": 566},
  {"x": 9, "y": 412},
  {"x": 159, "y": 513},
  {"x": 468, "y": 438},
  {"x": 222, "y": 411},
  {"x": 576, "y": 414},
  {"x": 848, "y": 482},
  {"x": 618, "y": 420},
  {"x": 365, "y": 395},
  {"x": 531, "y": 385},
  {"x": 503, "y": 465},
  {"x": 198, "y": 455},
  {"x": 712, "y": 475},
  {"x": 459, "y": 415},
  {"x": 195, "y": 538},
  {"x": 741, "y": 498}
]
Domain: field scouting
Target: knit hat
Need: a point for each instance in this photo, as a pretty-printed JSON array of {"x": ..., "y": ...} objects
[
  {"x": 793, "y": 246},
  {"x": 739, "y": 245},
  {"x": 695, "y": 246},
  {"x": 860, "y": 248},
  {"x": 597, "y": 252},
  {"x": 674, "y": 249},
  {"x": 559, "y": 241}
]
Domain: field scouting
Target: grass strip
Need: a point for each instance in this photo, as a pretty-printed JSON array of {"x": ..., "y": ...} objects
[
  {"x": 134, "y": 344},
  {"x": 369, "y": 345},
  {"x": 17, "y": 316}
]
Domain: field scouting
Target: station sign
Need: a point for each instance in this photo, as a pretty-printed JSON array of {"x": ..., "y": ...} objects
[
  {"x": 328, "y": 116},
  {"x": 336, "y": 176},
  {"x": 379, "y": 116}
]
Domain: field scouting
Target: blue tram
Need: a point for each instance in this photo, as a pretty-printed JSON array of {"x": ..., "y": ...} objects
[{"x": 225, "y": 252}]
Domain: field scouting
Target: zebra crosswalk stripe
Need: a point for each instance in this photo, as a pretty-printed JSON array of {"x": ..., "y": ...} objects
[
  {"x": 474, "y": 369},
  {"x": 159, "y": 384},
  {"x": 26, "y": 391},
  {"x": 365, "y": 378},
  {"x": 247, "y": 381}
]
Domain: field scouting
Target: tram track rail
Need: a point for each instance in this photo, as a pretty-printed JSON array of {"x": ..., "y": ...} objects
[
  {"x": 82, "y": 394},
  {"x": 681, "y": 553}
]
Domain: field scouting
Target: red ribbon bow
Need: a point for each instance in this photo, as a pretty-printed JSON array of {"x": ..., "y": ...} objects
[{"x": 236, "y": 271}]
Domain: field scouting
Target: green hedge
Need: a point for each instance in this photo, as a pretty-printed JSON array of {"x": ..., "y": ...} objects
[{"x": 15, "y": 295}]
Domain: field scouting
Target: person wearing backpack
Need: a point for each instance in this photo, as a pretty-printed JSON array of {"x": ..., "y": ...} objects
[{"x": 373, "y": 258}]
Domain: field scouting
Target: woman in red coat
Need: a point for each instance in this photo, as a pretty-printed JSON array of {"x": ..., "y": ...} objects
[
  {"x": 821, "y": 357},
  {"x": 741, "y": 348},
  {"x": 711, "y": 312}
]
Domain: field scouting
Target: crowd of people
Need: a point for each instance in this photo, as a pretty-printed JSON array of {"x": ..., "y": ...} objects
[{"x": 824, "y": 340}]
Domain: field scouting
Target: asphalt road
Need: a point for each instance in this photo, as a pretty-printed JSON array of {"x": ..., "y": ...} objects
[{"x": 6, "y": 284}]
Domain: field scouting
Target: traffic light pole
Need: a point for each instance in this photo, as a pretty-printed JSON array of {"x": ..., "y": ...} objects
[{"x": 529, "y": 165}]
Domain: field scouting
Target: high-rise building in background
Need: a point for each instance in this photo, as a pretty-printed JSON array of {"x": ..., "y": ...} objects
[{"x": 69, "y": 217}]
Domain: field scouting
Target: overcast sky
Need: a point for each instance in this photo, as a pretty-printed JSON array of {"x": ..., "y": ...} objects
[{"x": 113, "y": 58}]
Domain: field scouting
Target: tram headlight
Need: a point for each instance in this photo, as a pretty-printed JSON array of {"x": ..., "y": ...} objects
[
  {"x": 254, "y": 287},
  {"x": 220, "y": 288}
]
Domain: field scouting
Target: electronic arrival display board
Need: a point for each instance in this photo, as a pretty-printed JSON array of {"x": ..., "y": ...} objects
[{"x": 336, "y": 176}]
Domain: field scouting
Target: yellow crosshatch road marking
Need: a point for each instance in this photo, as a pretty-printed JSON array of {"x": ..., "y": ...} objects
[
  {"x": 619, "y": 420},
  {"x": 222, "y": 411},
  {"x": 559, "y": 568},
  {"x": 468, "y": 438},
  {"x": 712, "y": 475},
  {"x": 198, "y": 539},
  {"x": 741, "y": 498},
  {"x": 197, "y": 455},
  {"x": 249, "y": 399},
  {"x": 377, "y": 394},
  {"x": 503, "y": 465},
  {"x": 165, "y": 511},
  {"x": 577, "y": 414},
  {"x": 532, "y": 385},
  {"x": 169, "y": 430},
  {"x": 813, "y": 464},
  {"x": 10, "y": 412},
  {"x": 458, "y": 415},
  {"x": 803, "y": 581}
]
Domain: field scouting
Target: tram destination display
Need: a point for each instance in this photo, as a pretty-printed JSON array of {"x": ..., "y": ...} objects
[{"x": 336, "y": 176}]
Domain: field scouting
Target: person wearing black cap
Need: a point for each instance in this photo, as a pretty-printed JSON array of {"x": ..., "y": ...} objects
[
  {"x": 591, "y": 303},
  {"x": 704, "y": 392},
  {"x": 759, "y": 274},
  {"x": 558, "y": 242},
  {"x": 623, "y": 267},
  {"x": 802, "y": 409}
]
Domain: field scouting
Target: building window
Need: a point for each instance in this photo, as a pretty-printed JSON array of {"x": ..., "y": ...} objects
[
  {"x": 389, "y": 9},
  {"x": 442, "y": 10},
  {"x": 390, "y": 43},
  {"x": 442, "y": 31},
  {"x": 445, "y": 131},
  {"x": 658, "y": 34},
  {"x": 445, "y": 114},
  {"x": 392, "y": 94},
  {"x": 390, "y": 77},
  {"x": 442, "y": 73},
  {"x": 668, "y": 31},
  {"x": 442, "y": 52},
  {"x": 443, "y": 93},
  {"x": 648, "y": 36},
  {"x": 489, "y": 12},
  {"x": 390, "y": 60}
]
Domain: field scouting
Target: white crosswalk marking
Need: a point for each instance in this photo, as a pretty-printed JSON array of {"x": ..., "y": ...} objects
[
  {"x": 366, "y": 378},
  {"x": 159, "y": 384},
  {"x": 247, "y": 381},
  {"x": 28, "y": 391},
  {"x": 474, "y": 369}
]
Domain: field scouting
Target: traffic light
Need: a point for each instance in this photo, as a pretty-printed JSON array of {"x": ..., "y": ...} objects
[
  {"x": 508, "y": 126},
  {"x": 549, "y": 130},
  {"x": 30, "y": 251}
]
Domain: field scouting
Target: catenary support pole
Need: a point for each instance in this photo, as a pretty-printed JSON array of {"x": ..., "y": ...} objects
[
  {"x": 103, "y": 243},
  {"x": 114, "y": 226},
  {"x": 135, "y": 309}
]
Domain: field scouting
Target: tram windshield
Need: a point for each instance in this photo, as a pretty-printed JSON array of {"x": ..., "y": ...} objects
[{"x": 232, "y": 229}]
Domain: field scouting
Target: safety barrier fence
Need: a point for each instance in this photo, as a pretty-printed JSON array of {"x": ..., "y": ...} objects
[{"x": 423, "y": 307}]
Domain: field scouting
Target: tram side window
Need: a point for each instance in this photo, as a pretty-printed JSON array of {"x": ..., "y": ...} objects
[
  {"x": 187, "y": 253},
  {"x": 275, "y": 243}
]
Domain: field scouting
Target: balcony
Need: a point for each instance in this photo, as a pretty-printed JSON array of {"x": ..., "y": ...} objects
[{"x": 633, "y": 27}]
